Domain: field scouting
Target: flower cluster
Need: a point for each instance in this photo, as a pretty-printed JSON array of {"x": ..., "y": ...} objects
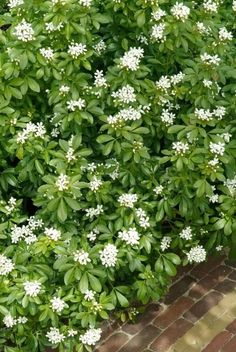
[
  {"x": 180, "y": 148},
  {"x": 196, "y": 254},
  {"x": 217, "y": 148},
  {"x": 128, "y": 200},
  {"x": 9, "y": 321},
  {"x": 72, "y": 105},
  {"x": 26, "y": 232},
  {"x": 52, "y": 233},
  {"x": 14, "y": 3},
  {"x": 158, "y": 32},
  {"x": 95, "y": 184},
  {"x": 6, "y": 265},
  {"x": 165, "y": 243},
  {"x": 76, "y": 49},
  {"x": 180, "y": 11},
  {"x": 57, "y": 304},
  {"x": 131, "y": 59},
  {"x": 82, "y": 257},
  {"x": 62, "y": 182},
  {"x": 186, "y": 234},
  {"x": 108, "y": 255},
  {"x": 143, "y": 219},
  {"x": 130, "y": 236},
  {"x": 31, "y": 129},
  {"x": 32, "y": 288},
  {"x": 54, "y": 336},
  {"x": 24, "y": 31},
  {"x": 91, "y": 336},
  {"x": 125, "y": 95}
]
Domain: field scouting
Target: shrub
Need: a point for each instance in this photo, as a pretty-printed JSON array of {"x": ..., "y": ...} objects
[{"x": 117, "y": 158}]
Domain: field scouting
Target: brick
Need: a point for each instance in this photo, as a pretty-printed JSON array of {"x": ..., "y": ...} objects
[
  {"x": 202, "y": 306},
  {"x": 142, "y": 340},
  {"x": 170, "y": 335},
  {"x": 173, "y": 312},
  {"x": 114, "y": 343},
  {"x": 151, "y": 312},
  {"x": 230, "y": 346},
  {"x": 232, "y": 276},
  {"x": 179, "y": 288},
  {"x": 232, "y": 327},
  {"x": 203, "y": 269},
  {"x": 218, "y": 342},
  {"x": 231, "y": 263},
  {"x": 202, "y": 287},
  {"x": 182, "y": 270},
  {"x": 226, "y": 286},
  {"x": 220, "y": 273}
]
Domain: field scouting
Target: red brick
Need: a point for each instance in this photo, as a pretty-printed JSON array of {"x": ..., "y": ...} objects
[
  {"x": 151, "y": 312},
  {"x": 171, "y": 335},
  {"x": 203, "y": 269},
  {"x": 218, "y": 342},
  {"x": 231, "y": 263},
  {"x": 114, "y": 343},
  {"x": 232, "y": 276},
  {"x": 225, "y": 286},
  {"x": 230, "y": 346},
  {"x": 201, "y": 307},
  {"x": 202, "y": 287},
  {"x": 182, "y": 270},
  {"x": 232, "y": 327},
  {"x": 179, "y": 288},
  {"x": 173, "y": 312},
  {"x": 142, "y": 340},
  {"x": 220, "y": 273}
]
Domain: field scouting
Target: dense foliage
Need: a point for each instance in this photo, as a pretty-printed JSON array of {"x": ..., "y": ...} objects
[{"x": 117, "y": 158}]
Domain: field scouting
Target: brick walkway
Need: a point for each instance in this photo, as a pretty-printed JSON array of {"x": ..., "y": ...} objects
[{"x": 197, "y": 315}]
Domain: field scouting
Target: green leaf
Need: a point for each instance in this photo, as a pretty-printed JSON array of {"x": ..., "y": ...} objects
[
  {"x": 33, "y": 84},
  {"x": 94, "y": 283},
  {"x": 62, "y": 211},
  {"x": 122, "y": 299},
  {"x": 169, "y": 267},
  {"x": 83, "y": 284}
]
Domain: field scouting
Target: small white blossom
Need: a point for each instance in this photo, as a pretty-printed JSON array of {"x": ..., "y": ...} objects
[
  {"x": 219, "y": 112},
  {"x": 11, "y": 205},
  {"x": 130, "y": 236},
  {"x": 167, "y": 117},
  {"x": 15, "y": 3},
  {"x": 50, "y": 27},
  {"x": 95, "y": 184},
  {"x": 158, "y": 14},
  {"x": 158, "y": 31},
  {"x": 225, "y": 35},
  {"x": 62, "y": 182},
  {"x": 226, "y": 136},
  {"x": 128, "y": 200},
  {"x": 164, "y": 83},
  {"x": 48, "y": 53},
  {"x": 32, "y": 288},
  {"x": 210, "y": 6},
  {"x": 24, "y": 31},
  {"x": 85, "y": 3},
  {"x": 82, "y": 257},
  {"x": 196, "y": 254},
  {"x": 186, "y": 234},
  {"x": 92, "y": 235},
  {"x": 214, "y": 198},
  {"x": 54, "y": 336},
  {"x": 52, "y": 233},
  {"x": 91, "y": 336},
  {"x": 64, "y": 89},
  {"x": 131, "y": 58},
  {"x": 70, "y": 155},
  {"x": 100, "y": 81},
  {"x": 207, "y": 83},
  {"x": 217, "y": 148},
  {"x": 180, "y": 148},
  {"x": 91, "y": 212},
  {"x": 77, "y": 49},
  {"x": 72, "y": 333},
  {"x": 72, "y": 105},
  {"x": 108, "y": 255},
  {"x": 158, "y": 189},
  {"x": 57, "y": 304},
  {"x": 89, "y": 295},
  {"x": 143, "y": 218},
  {"x": 219, "y": 248},
  {"x": 165, "y": 243},
  {"x": 202, "y": 29},
  {"x": 6, "y": 265},
  {"x": 180, "y": 11},
  {"x": 234, "y": 5},
  {"x": 100, "y": 47},
  {"x": 9, "y": 321},
  {"x": 210, "y": 59},
  {"x": 125, "y": 95},
  {"x": 22, "y": 320},
  {"x": 231, "y": 185}
]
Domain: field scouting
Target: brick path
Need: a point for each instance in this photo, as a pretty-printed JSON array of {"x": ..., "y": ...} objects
[{"x": 197, "y": 315}]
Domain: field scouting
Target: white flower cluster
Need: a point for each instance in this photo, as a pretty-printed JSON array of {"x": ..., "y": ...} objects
[
  {"x": 32, "y": 288},
  {"x": 24, "y": 31},
  {"x": 6, "y": 265},
  {"x": 72, "y": 105},
  {"x": 207, "y": 115},
  {"x": 64, "y": 89},
  {"x": 231, "y": 185},
  {"x": 62, "y": 182},
  {"x": 57, "y": 304},
  {"x": 9, "y": 321},
  {"x": 186, "y": 233},
  {"x": 158, "y": 190},
  {"x": 25, "y": 232},
  {"x": 128, "y": 200},
  {"x": 11, "y": 205},
  {"x": 108, "y": 255},
  {"x": 165, "y": 243},
  {"x": 210, "y": 6},
  {"x": 100, "y": 81},
  {"x": 217, "y": 148},
  {"x": 89, "y": 295},
  {"x": 142, "y": 218},
  {"x": 131, "y": 59},
  {"x": 210, "y": 59},
  {"x": 180, "y": 148},
  {"x": 52, "y": 233},
  {"x": 61, "y": 2},
  {"x": 180, "y": 11},
  {"x": 51, "y": 27},
  {"x": 234, "y": 5},
  {"x": 225, "y": 35},
  {"x": 128, "y": 114},
  {"x": 91, "y": 336},
  {"x": 158, "y": 32},
  {"x": 165, "y": 82},
  {"x": 15, "y": 3},
  {"x": 36, "y": 130},
  {"x": 130, "y": 236},
  {"x": 92, "y": 235},
  {"x": 214, "y": 164},
  {"x": 76, "y": 49},
  {"x": 82, "y": 257},
  {"x": 70, "y": 154},
  {"x": 125, "y": 95},
  {"x": 91, "y": 212},
  {"x": 95, "y": 184},
  {"x": 48, "y": 53},
  {"x": 85, "y": 3},
  {"x": 167, "y": 117},
  {"x": 202, "y": 29},
  {"x": 54, "y": 336},
  {"x": 100, "y": 47},
  {"x": 197, "y": 254},
  {"x": 158, "y": 14}
]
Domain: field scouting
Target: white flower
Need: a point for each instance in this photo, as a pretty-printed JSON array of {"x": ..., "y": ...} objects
[
  {"x": 64, "y": 89},
  {"x": 85, "y": 3},
  {"x": 100, "y": 81},
  {"x": 6, "y": 265},
  {"x": 130, "y": 236},
  {"x": 32, "y": 288},
  {"x": 48, "y": 54},
  {"x": 177, "y": 78},
  {"x": 180, "y": 11},
  {"x": 70, "y": 155},
  {"x": 202, "y": 28},
  {"x": 100, "y": 47},
  {"x": 197, "y": 254},
  {"x": 231, "y": 185},
  {"x": 61, "y": 2},
  {"x": 50, "y": 27},
  {"x": 128, "y": 200},
  {"x": 82, "y": 257},
  {"x": 31, "y": 129},
  {"x": 210, "y": 6},
  {"x": 225, "y": 35},
  {"x": 74, "y": 104},
  {"x": 108, "y": 255},
  {"x": 158, "y": 189},
  {"x": 214, "y": 163},
  {"x": 186, "y": 234},
  {"x": 167, "y": 117},
  {"x": 11, "y": 205},
  {"x": 131, "y": 58},
  {"x": 180, "y": 148},
  {"x": 91, "y": 212},
  {"x": 95, "y": 184},
  {"x": 234, "y": 5},
  {"x": 125, "y": 95},
  {"x": 157, "y": 32},
  {"x": 164, "y": 83},
  {"x": 62, "y": 182},
  {"x": 158, "y": 14},
  {"x": 52, "y": 233},
  {"x": 15, "y": 3},
  {"x": 9, "y": 321},
  {"x": 57, "y": 304},
  {"x": 203, "y": 114},
  {"x": 226, "y": 136},
  {"x": 217, "y": 148},
  {"x": 214, "y": 198},
  {"x": 77, "y": 49},
  {"x": 72, "y": 333},
  {"x": 92, "y": 235},
  {"x": 24, "y": 31},
  {"x": 219, "y": 112},
  {"x": 22, "y": 320},
  {"x": 165, "y": 243},
  {"x": 207, "y": 83},
  {"x": 219, "y": 248},
  {"x": 210, "y": 59},
  {"x": 91, "y": 336},
  {"x": 89, "y": 295},
  {"x": 143, "y": 218},
  {"x": 54, "y": 336}
]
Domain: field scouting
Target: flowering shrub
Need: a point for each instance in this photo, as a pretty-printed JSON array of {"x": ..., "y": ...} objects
[{"x": 117, "y": 158}]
